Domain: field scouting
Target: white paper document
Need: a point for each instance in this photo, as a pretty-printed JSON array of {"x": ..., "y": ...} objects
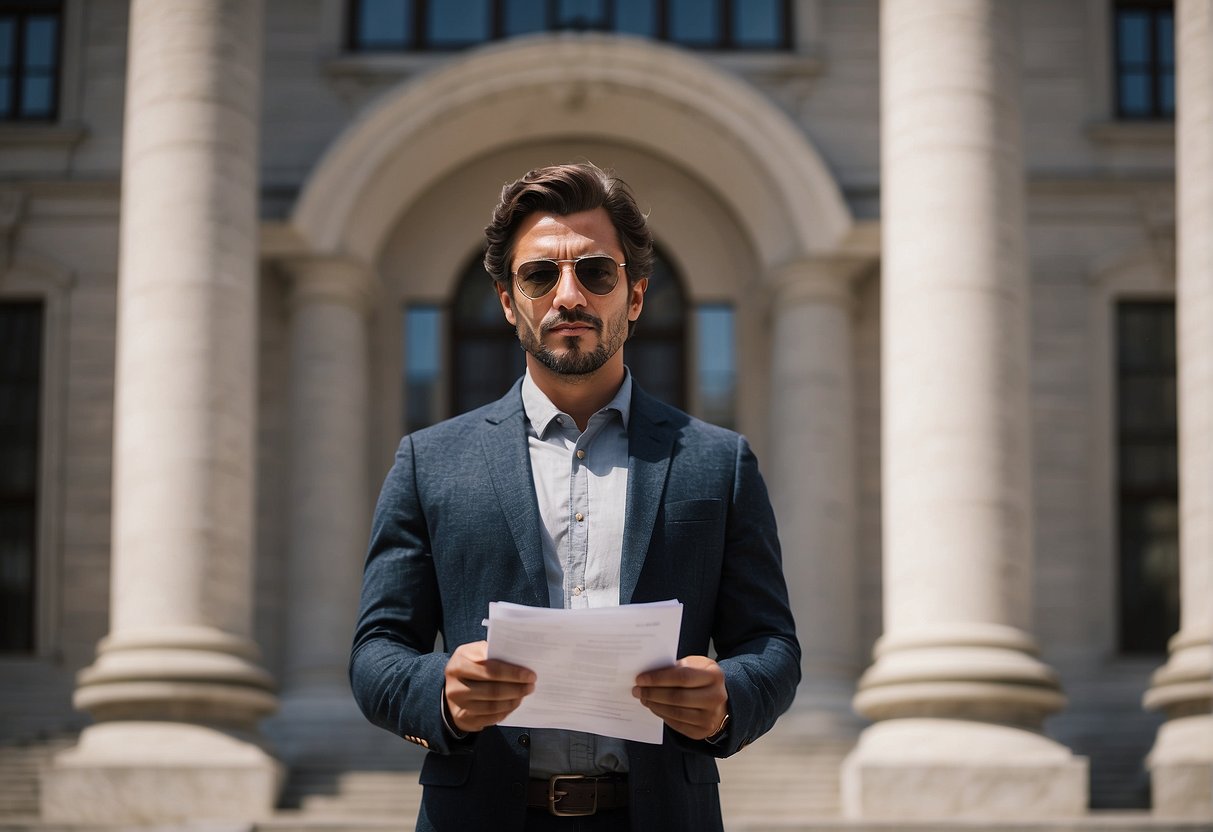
[{"x": 586, "y": 662}]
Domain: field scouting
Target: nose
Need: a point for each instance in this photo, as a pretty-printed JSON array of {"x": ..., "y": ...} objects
[{"x": 569, "y": 292}]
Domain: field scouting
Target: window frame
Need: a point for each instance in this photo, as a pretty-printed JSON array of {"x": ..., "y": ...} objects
[
  {"x": 1128, "y": 494},
  {"x": 419, "y": 42},
  {"x": 19, "y": 12},
  {"x": 28, "y": 501},
  {"x": 1156, "y": 74},
  {"x": 35, "y": 277}
]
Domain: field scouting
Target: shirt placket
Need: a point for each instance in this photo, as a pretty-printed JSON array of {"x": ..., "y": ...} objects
[{"x": 575, "y": 596}]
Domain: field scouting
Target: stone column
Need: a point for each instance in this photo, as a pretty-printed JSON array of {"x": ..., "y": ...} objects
[
  {"x": 1181, "y": 762},
  {"x": 956, "y": 690},
  {"x": 330, "y": 506},
  {"x": 177, "y": 689},
  {"x": 812, "y": 470}
]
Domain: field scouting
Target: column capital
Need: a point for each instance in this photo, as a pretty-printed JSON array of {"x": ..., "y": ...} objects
[
  {"x": 330, "y": 279},
  {"x": 829, "y": 279}
]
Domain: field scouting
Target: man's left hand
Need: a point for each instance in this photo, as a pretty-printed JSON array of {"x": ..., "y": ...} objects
[{"x": 690, "y": 697}]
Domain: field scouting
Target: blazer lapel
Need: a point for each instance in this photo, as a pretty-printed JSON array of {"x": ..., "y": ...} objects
[
  {"x": 650, "y": 441},
  {"x": 509, "y": 466}
]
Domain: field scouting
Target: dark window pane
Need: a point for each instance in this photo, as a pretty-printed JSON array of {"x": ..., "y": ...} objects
[
  {"x": 8, "y": 34},
  {"x": 523, "y": 16},
  {"x": 486, "y": 369},
  {"x": 422, "y": 366},
  {"x": 658, "y": 366},
  {"x": 636, "y": 17},
  {"x": 1166, "y": 95},
  {"x": 1165, "y": 28},
  {"x": 37, "y": 96},
  {"x": 1147, "y": 474},
  {"x": 1133, "y": 37},
  {"x": 20, "y": 396},
  {"x": 758, "y": 23},
  {"x": 716, "y": 359},
  {"x": 457, "y": 22},
  {"x": 581, "y": 14},
  {"x": 40, "y": 42},
  {"x": 6, "y": 97},
  {"x": 1135, "y": 94},
  {"x": 385, "y": 23},
  {"x": 1149, "y": 574},
  {"x": 664, "y": 305},
  {"x": 695, "y": 22}
]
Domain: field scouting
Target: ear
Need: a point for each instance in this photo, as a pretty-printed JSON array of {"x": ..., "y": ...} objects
[
  {"x": 507, "y": 302},
  {"x": 636, "y": 298}
]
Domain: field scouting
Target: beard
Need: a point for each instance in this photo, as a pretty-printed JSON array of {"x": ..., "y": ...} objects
[{"x": 575, "y": 361}]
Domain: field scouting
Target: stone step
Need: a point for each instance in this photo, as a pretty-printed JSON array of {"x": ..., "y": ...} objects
[{"x": 20, "y": 769}]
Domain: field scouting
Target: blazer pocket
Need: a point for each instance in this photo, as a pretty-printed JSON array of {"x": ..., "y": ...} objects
[
  {"x": 694, "y": 511},
  {"x": 446, "y": 769},
  {"x": 700, "y": 768}
]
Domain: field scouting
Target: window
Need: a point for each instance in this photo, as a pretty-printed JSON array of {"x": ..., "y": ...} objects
[
  {"x": 717, "y": 371},
  {"x": 485, "y": 359},
  {"x": 29, "y": 60},
  {"x": 20, "y": 414},
  {"x": 1147, "y": 474},
  {"x": 422, "y": 366},
  {"x": 377, "y": 25},
  {"x": 1145, "y": 59}
]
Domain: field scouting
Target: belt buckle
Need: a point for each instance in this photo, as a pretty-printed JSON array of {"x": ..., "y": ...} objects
[{"x": 554, "y": 797}]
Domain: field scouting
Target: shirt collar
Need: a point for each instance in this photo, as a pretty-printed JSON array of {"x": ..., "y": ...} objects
[{"x": 541, "y": 412}]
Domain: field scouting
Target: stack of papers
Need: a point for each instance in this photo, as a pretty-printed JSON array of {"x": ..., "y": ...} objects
[{"x": 586, "y": 662}]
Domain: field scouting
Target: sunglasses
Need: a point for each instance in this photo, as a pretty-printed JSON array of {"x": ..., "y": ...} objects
[{"x": 598, "y": 273}]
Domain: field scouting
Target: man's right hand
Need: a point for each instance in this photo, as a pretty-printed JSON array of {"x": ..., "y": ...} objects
[{"x": 481, "y": 691}]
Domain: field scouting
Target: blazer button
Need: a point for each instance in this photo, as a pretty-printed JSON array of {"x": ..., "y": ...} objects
[{"x": 524, "y": 740}]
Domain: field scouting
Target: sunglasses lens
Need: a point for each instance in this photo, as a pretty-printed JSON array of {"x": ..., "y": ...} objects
[
  {"x": 597, "y": 274},
  {"x": 537, "y": 277}
]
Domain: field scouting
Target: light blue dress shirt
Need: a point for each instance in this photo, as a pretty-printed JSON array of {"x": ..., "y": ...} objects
[{"x": 581, "y": 484}]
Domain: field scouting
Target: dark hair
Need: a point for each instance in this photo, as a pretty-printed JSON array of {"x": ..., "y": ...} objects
[{"x": 563, "y": 190}]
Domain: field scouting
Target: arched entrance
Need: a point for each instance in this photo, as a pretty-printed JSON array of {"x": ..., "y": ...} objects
[{"x": 734, "y": 189}]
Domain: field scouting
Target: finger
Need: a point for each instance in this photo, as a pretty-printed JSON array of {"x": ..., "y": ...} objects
[
  {"x": 492, "y": 670},
  {"x": 702, "y": 698},
  {"x": 473, "y": 691},
  {"x": 680, "y": 676}
]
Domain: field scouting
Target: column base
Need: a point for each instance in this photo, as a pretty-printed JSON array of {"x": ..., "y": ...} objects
[
  {"x": 160, "y": 772},
  {"x": 1181, "y": 768},
  {"x": 935, "y": 769}
]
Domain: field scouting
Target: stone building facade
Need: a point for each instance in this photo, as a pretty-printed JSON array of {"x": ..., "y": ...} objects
[{"x": 954, "y": 268}]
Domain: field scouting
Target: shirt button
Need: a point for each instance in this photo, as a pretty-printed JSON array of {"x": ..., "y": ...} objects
[
  {"x": 580, "y": 454},
  {"x": 577, "y": 590},
  {"x": 579, "y": 516}
]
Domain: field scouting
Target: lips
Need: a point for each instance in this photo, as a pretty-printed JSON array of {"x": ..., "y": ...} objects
[
  {"x": 571, "y": 329},
  {"x": 572, "y": 325}
]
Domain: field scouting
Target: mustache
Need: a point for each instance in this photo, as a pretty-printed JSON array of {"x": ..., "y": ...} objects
[{"x": 570, "y": 316}]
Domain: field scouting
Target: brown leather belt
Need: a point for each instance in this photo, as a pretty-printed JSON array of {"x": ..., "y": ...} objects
[{"x": 574, "y": 795}]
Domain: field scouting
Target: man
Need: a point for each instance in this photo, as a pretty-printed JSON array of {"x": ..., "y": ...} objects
[{"x": 575, "y": 490}]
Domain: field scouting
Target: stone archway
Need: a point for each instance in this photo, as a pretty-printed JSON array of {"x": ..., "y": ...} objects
[{"x": 571, "y": 86}]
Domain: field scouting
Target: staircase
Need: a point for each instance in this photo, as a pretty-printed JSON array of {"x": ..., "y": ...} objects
[{"x": 21, "y": 765}]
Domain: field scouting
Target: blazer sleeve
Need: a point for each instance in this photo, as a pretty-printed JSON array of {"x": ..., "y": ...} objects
[
  {"x": 395, "y": 672},
  {"x": 753, "y": 631}
]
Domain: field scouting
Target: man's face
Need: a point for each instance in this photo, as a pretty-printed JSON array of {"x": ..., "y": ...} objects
[{"x": 570, "y": 330}]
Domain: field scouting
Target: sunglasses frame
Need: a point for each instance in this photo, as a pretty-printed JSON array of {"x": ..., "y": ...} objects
[{"x": 560, "y": 270}]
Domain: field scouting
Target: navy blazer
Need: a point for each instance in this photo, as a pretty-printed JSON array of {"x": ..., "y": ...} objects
[{"x": 457, "y": 526}]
